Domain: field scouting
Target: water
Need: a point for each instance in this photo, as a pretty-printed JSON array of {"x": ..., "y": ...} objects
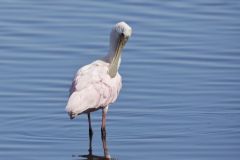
[{"x": 181, "y": 79}]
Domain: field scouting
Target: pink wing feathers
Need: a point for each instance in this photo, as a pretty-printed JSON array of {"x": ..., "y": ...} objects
[{"x": 92, "y": 88}]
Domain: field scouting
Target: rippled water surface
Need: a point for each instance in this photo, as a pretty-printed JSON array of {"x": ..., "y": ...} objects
[{"x": 181, "y": 79}]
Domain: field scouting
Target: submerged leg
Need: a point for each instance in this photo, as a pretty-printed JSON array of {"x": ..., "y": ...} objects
[
  {"x": 90, "y": 134},
  {"x": 103, "y": 129}
]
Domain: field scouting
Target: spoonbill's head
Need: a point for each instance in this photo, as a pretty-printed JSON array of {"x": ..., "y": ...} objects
[
  {"x": 122, "y": 29},
  {"x": 120, "y": 33},
  {"x": 119, "y": 36}
]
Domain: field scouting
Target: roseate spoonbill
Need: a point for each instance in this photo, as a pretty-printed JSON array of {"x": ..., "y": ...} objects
[{"x": 97, "y": 85}]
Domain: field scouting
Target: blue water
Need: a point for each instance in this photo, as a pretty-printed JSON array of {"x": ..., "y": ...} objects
[{"x": 181, "y": 79}]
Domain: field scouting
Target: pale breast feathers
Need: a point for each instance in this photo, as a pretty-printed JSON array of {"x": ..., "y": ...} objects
[{"x": 92, "y": 87}]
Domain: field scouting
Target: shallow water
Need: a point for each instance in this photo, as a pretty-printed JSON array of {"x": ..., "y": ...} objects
[{"x": 181, "y": 81}]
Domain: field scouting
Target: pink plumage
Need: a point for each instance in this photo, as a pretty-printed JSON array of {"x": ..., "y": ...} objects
[
  {"x": 97, "y": 85},
  {"x": 93, "y": 88}
]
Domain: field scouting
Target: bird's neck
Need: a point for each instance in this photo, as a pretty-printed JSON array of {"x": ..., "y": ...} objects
[
  {"x": 112, "y": 53},
  {"x": 112, "y": 47},
  {"x": 110, "y": 56},
  {"x": 114, "y": 61}
]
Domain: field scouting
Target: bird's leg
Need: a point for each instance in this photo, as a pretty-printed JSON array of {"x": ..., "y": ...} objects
[
  {"x": 90, "y": 134},
  {"x": 103, "y": 129},
  {"x": 104, "y": 115}
]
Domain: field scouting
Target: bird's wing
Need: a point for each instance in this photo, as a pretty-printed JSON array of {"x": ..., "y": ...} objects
[{"x": 92, "y": 88}]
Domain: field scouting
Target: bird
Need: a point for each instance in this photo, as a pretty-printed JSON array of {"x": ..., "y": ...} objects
[{"x": 97, "y": 85}]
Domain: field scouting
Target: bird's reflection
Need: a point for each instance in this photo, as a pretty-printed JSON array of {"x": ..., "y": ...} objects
[{"x": 90, "y": 155}]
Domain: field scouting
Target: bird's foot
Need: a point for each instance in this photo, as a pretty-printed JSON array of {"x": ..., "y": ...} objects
[{"x": 90, "y": 151}]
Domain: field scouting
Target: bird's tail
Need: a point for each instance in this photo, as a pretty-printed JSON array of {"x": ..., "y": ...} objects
[
  {"x": 80, "y": 101},
  {"x": 73, "y": 106},
  {"x": 71, "y": 115}
]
